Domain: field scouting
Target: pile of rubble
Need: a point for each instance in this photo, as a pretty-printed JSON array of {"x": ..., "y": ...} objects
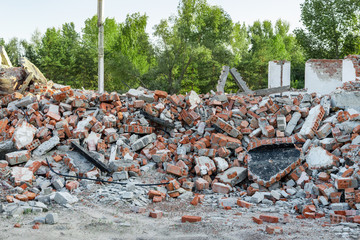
[{"x": 302, "y": 149}]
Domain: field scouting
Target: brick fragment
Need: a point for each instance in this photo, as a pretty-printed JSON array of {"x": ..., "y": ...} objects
[
  {"x": 191, "y": 219},
  {"x": 274, "y": 230},
  {"x": 269, "y": 219}
]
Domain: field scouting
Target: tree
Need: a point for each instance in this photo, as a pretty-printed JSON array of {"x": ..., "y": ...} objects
[
  {"x": 239, "y": 42},
  {"x": 58, "y": 51},
  {"x": 13, "y": 50},
  {"x": 192, "y": 46},
  {"x": 128, "y": 52},
  {"x": 331, "y": 28},
  {"x": 132, "y": 54},
  {"x": 269, "y": 43},
  {"x": 31, "y": 48}
]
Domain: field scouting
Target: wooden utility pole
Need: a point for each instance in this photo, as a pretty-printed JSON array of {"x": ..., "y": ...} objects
[{"x": 101, "y": 45}]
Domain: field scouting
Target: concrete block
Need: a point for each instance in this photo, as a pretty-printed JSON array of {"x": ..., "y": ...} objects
[
  {"x": 281, "y": 122},
  {"x": 319, "y": 158},
  {"x": 18, "y": 157},
  {"x": 64, "y": 198},
  {"x": 118, "y": 176},
  {"x": 257, "y": 197},
  {"x": 22, "y": 174},
  {"x": 346, "y": 99},
  {"x": 233, "y": 175},
  {"x": 221, "y": 164},
  {"x": 312, "y": 121},
  {"x": 275, "y": 194},
  {"x": 24, "y": 135},
  {"x": 143, "y": 142},
  {"x": 292, "y": 123},
  {"x": 221, "y": 188},
  {"x": 227, "y": 202},
  {"x": 204, "y": 165},
  {"x": 339, "y": 206},
  {"x": 51, "y": 218},
  {"x": 46, "y": 146}
]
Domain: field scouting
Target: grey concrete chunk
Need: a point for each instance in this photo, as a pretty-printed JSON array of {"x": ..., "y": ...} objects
[
  {"x": 51, "y": 218},
  {"x": 46, "y": 146},
  {"x": 345, "y": 99},
  {"x": 241, "y": 174},
  {"x": 64, "y": 198},
  {"x": 143, "y": 142},
  {"x": 292, "y": 123},
  {"x": 118, "y": 176}
]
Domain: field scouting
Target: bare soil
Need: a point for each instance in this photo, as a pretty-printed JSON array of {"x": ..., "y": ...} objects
[{"x": 89, "y": 221}]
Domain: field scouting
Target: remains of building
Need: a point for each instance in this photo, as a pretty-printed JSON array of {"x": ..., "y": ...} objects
[{"x": 301, "y": 150}]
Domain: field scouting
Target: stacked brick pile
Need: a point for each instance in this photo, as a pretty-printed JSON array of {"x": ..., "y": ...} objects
[{"x": 199, "y": 142}]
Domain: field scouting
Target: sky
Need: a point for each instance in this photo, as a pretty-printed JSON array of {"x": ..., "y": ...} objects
[{"x": 21, "y": 18}]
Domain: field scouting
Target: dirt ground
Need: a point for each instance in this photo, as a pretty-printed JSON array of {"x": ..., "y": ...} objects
[{"x": 89, "y": 221}]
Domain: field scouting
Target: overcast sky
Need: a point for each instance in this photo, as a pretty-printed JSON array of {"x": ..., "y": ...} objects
[{"x": 20, "y": 18}]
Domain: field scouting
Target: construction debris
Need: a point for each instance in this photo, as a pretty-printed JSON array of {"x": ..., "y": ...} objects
[
  {"x": 222, "y": 79},
  {"x": 238, "y": 80},
  {"x": 297, "y": 151}
]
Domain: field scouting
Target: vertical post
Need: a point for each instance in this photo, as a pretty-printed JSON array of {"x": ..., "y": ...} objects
[
  {"x": 281, "y": 74},
  {"x": 101, "y": 46}
]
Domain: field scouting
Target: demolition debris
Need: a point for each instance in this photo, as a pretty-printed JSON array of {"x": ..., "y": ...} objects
[{"x": 300, "y": 149}]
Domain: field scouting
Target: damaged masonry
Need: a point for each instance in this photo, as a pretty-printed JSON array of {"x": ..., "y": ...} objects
[{"x": 298, "y": 152}]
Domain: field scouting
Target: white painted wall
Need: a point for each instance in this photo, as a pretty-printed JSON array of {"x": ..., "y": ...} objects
[
  {"x": 274, "y": 74},
  {"x": 348, "y": 71},
  {"x": 319, "y": 80}
]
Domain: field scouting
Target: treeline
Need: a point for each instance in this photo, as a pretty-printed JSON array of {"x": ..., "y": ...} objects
[{"x": 189, "y": 49}]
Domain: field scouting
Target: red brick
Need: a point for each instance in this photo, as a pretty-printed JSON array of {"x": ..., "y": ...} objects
[
  {"x": 334, "y": 218},
  {"x": 244, "y": 204},
  {"x": 161, "y": 94},
  {"x": 257, "y": 220},
  {"x": 153, "y": 193},
  {"x": 195, "y": 201},
  {"x": 156, "y": 214},
  {"x": 175, "y": 170},
  {"x": 201, "y": 184},
  {"x": 270, "y": 219},
  {"x": 157, "y": 199},
  {"x": 173, "y": 185},
  {"x": 187, "y": 218}
]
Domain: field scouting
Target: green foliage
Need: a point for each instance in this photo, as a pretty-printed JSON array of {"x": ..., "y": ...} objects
[
  {"x": 192, "y": 46},
  {"x": 13, "y": 50},
  {"x": 269, "y": 43},
  {"x": 331, "y": 28},
  {"x": 31, "y": 49}
]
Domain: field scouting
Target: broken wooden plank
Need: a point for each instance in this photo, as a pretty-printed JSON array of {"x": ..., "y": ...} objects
[
  {"x": 26, "y": 83},
  {"x": 4, "y": 58},
  {"x": 268, "y": 91},
  {"x": 222, "y": 79},
  {"x": 31, "y": 68},
  {"x": 94, "y": 161},
  {"x": 238, "y": 80}
]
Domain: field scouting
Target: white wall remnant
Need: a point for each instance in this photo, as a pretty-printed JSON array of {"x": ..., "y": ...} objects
[
  {"x": 276, "y": 77},
  {"x": 323, "y": 75},
  {"x": 351, "y": 68},
  {"x": 348, "y": 71}
]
